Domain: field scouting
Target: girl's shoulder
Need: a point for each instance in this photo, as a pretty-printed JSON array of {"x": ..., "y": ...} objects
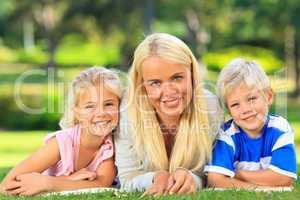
[{"x": 66, "y": 135}]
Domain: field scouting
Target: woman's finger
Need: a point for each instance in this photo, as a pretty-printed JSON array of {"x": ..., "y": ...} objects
[
  {"x": 186, "y": 187},
  {"x": 179, "y": 181}
]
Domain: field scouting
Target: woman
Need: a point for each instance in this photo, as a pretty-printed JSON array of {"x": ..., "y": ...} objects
[{"x": 168, "y": 121}]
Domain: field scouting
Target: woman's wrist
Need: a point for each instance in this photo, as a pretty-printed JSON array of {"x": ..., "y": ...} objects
[{"x": 159, "y": 174}]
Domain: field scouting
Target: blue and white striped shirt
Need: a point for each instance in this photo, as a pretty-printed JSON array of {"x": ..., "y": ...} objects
[{"x": 274, "y": 149}]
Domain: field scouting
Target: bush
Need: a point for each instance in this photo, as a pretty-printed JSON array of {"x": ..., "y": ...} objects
[
  {"x": 75, "y": 50},
  {"x": 266, "y": 58},
  {"x": 16, "y": 119},
  {"x": 7, "y": 55}
]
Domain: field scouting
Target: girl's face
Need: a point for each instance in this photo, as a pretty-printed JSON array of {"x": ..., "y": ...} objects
[
  {"x": 249, "y": 107},
  {"x": 97, "y": 110},
  {"x": 168, "y": 86}
]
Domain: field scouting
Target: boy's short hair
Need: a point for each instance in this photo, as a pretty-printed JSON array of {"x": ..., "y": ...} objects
[{"x": 240, "y": 71}]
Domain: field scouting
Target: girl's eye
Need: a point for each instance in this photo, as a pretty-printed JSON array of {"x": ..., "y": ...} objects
[
  {"x": 109, "y": 104},
  {"x": 89, "y": 107},
  {"x": 234, "y": 105}
]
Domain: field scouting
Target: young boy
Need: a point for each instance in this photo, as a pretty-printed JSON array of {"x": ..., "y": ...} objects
[{"x": 256, "y": 149}]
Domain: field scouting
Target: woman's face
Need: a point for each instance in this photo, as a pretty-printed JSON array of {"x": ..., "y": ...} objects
[{"x": 168, "y": 86}]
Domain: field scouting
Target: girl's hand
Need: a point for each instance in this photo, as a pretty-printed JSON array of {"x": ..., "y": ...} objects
[
  {"x": 2, "y": 191},
  {"x": 82, "y": 174},
  {"x": 28, "y": 184},
  {"x": 162, "y": 181},
  {"x": 184, "y": 182}
]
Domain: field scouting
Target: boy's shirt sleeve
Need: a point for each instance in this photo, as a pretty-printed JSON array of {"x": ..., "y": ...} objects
[
  {"x": 222, "y": 157},
  {"x": 284, "y": 156}
]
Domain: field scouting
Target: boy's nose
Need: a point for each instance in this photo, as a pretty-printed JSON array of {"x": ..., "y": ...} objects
[{"x": 246, "y": 108}]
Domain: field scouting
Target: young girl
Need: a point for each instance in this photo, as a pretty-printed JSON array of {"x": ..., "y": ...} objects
[{"x": 81, "y": 154}]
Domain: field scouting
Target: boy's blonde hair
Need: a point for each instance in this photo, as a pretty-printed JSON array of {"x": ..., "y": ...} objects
[
  {"x": 193, "y": 143},
  {"x": 240, "y": 71},
  {"x": 90, "y": 77}
]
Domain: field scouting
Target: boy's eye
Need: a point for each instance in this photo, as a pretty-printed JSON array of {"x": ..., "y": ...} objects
[{"x": 252, "y": 98}]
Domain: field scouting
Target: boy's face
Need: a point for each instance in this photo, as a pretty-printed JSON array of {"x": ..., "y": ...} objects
[
  {"x": 97, "y": 110},
  {"x": 249, "y": 107}
]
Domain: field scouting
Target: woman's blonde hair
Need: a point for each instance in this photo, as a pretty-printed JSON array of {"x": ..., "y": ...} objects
[
  {"x": 90, "y": 77},
  {"x": 239, "y": 71},
  {"x": 193, "y": 143}
]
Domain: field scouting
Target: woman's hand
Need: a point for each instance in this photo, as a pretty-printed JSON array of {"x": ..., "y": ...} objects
[
  {"x": 162, "y": 181},
  {"x": 184, "y": 182},
  {"x": 28, "y": 185},
  {"x": 82, "y": 174}
]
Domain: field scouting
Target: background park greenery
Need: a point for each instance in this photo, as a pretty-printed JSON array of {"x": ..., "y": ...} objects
[{"x": 55, "y": 39}]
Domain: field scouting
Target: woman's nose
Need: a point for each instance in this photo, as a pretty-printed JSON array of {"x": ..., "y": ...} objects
[{"x": 169, "y": 88}]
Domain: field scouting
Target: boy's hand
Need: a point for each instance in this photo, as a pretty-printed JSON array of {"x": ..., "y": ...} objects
[
  {"x": 239, "y": 175},
  {"x": 162, "y": 181},
  {"x": 28, "y": 185},
  {"x": 82, "y": 174},
  {"x": 184, "y": 182}
]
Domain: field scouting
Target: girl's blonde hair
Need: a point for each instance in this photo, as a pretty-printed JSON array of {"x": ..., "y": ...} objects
[
  {"x": 240, "y": 71},
  {"x": 90, "y": 77},
  {"x": 193, "y": 143}
]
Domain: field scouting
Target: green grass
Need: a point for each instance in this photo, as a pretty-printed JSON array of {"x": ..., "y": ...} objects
[{"x": 15, "y": 146}]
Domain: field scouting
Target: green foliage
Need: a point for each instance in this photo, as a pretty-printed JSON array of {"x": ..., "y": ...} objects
[
  {"x": 7, "y": 55},
  {"x": 266, "y": 58},
  {"x": 76, "y": 50},
  {"x": 33, "y": 56}
]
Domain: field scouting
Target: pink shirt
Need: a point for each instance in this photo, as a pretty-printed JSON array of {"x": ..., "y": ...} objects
[{"x": 69, "y": 142}]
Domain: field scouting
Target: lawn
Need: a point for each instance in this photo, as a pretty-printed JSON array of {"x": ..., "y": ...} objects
[{"x": 15, "y": 146}]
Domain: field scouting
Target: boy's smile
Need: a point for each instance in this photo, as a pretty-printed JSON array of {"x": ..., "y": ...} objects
[{"x": 249, "y": 107}]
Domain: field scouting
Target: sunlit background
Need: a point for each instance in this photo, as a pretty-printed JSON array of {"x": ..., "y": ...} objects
[{"x": 44, "y": 44}]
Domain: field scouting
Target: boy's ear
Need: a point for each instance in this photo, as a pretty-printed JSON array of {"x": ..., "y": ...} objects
[{"x": 269, "y": 96}]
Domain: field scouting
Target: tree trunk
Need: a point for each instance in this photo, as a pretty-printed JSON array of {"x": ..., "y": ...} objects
[
  {"x": 52, "y": 45},
  {"x": 148, "y": 16},
  {"x": 297, "y": 70},
  {"x": 28, "y": 34}
]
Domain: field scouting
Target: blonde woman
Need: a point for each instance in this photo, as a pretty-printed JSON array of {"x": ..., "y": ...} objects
[
  {"x": 81, "y": 154},
  {"x": 168, "y": 121}
]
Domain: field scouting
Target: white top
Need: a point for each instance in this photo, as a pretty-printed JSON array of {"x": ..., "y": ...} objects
[{"x": 131, "y": 170}]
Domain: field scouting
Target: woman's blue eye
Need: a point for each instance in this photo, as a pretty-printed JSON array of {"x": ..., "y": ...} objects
[
  {"x": 178, "y": 78},
  {"x": 155, "y": 83}
]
